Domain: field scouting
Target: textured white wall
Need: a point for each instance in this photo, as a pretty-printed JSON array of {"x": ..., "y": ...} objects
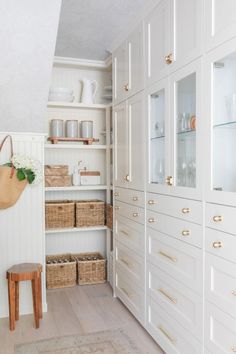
[{"x": 28, "y": 31}]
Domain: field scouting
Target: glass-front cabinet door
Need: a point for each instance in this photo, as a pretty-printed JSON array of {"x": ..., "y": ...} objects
[
  {"x": 185, "y": 127},
  {"x": 158, "y": 137},
  {"x": 221, "y": 110}
]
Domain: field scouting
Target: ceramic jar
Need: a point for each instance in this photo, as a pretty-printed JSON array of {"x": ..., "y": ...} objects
[
  {"x": 56, "y": 128},
  {"x": 72, "y": 129},
  {"x": 87, "y": 129}
]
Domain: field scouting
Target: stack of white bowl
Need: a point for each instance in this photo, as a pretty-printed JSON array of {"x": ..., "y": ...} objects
[{"x": 61, "y": 94}]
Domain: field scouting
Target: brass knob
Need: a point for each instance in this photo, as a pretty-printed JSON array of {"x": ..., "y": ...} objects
[
  {"x": 185, "y": 210},
  {"x": 126, "y": 87},
  {"x": 185, "y": 232},
  {"x": 217, "y": 218},
  {"x": 135, "y": 215},
  {"x": 116, "y": 194},
  {"x": 169, "y": 59},
  {"x": 151, "y": 202},
  {"x": 217, "y": 244},
  {"x": 233, "y": 349},
  {"x": 127, "y": 178},
  {"x": 151, "y": 220},
  {"x": 135, "y": 199},
  {"x": 169, "y": 180}
]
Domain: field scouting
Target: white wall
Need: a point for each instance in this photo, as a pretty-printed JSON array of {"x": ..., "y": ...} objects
[{"x": 28, "y": 31}]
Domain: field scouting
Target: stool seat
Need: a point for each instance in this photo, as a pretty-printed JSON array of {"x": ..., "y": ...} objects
[{"x": 23, "y": 272}]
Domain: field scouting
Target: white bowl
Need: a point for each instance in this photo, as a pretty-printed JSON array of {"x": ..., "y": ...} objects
[
  {"x": 60, "y": 97},
  {"x": 61, "y": 90}
]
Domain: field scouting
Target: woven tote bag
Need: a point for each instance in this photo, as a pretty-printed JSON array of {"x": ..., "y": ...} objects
[{"x": 10, "y": 187}]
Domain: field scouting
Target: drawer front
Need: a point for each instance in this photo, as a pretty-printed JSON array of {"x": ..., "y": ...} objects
[
  {"x": 168, "y": 333},
  {"x": 189, "y": 210},
  {"x": 221, "y": 244},
  {"x": 221, "y": 283},
  {"x": 220, "y": 331},
  {"x": 130, "y": 234},
  {"x": 221, "y": 218},
  {"x": 130, "y": 211},
  {"x": 130, "y": 294},
  {"x": 182, "y": 304},
  {"x": 181, "y": 261},
  {"x": 130, "y": 263},
  {"x": 180, "y": 229},
  {"x": 130, "y": 196}
]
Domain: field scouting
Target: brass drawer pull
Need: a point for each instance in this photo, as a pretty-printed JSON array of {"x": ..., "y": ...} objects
[
  {"x": 127, "y": 293},
  {"x": 151, "y": 220},
  {"x": 185, "y": 210},
  {"x": 233, "y": 349},
  {"x": 167, "y": 335},
  {"x": 135, "y": 215},
  {"x": 218, "y": 218},
  {"x": 172, "y": 299},
  {"x": 126, "y": 87},
  {"x": 135, "y": 199},
  {"x": 186, "y": 232},
  {"x": 169, "y": 59},
  {"x": 169, "y": 181},
  {"x": 234, "y": 293},
  {"x": 116, "y": 194},
  {"x": 171, "y": 258},
  {"x": 117, "y": 208},
  {"x": 127, "y": 263},
  {"x": 217, "y": 244},
  {"x": 152, "y": 202},
  {"x": 124, "y": 232},
  {"x": 127, "y": 178}
]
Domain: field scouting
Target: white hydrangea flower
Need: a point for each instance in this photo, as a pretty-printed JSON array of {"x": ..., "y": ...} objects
[{"x": 28, "y": 163}]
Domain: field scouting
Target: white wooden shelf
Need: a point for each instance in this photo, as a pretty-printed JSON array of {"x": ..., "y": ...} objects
[
  {"x": 76, "y": 229},
  {"x": 75, "y": 146},
  {"x": 78, "y": 105},
  {"x": 76, "y": 188}
]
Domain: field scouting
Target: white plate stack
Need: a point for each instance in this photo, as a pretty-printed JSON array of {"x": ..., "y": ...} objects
[{"x": 61, "y": 94}]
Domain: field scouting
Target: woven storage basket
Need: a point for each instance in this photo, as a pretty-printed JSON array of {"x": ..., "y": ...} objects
[
  {"x": 90, "y": 213},
  {"x": 56, "y": 170},
  {"x": 60, "y": 275},
  {"x": 59, "y": 214},
  {"x": 90, "y": 271},
  {"x": 109, "y": 216},
  {"x": 57, "y": 181}
]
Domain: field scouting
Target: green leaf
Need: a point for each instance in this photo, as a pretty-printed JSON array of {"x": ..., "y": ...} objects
[
  {"x": 30, "y": 176},
  {"x": 20, "y": 174},
  {"x": 9, "y": 164}
]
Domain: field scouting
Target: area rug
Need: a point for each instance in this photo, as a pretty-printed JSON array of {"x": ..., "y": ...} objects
[{"x": 107, "y": 342}]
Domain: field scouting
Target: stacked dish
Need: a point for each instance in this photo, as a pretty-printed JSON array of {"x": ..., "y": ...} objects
[{"x": 61, "y": 94}]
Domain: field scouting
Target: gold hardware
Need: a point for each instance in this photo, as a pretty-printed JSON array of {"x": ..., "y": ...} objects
[
  {"x": 127, "y": 178},
  {"x": 173, "y": 259},
  {"x": 185, "y": 210},
  {"x": 124, "y": 232},
  {"x": 117, "y": 208},
  {"x": 185, "y": 232},
  {"x": 163, "y": 292},
  {"x": 116, "y": 194},
  {"x": 151, "y": 202},
  {"x": 217, "y": 218},
  {"x": 135, "y": 199},
  {"x": 126, "y": 87},
  {"x": 169, "y": 180},
  {"x": 217, "y": 244},
  {"x": 233, "y": 349},
  {"x": 135, "y": 215},
  {"x": 169, "y": 59},
  {"x": 167, "y": 335},
  {"x": 151, "y": 220},
  {"x": 126, "y": 292},
  {"x": 127, "y": 263},
  {"x": 234, "y": 293}
]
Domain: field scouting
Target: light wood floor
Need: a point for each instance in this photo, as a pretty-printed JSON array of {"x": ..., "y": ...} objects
[{"x": 77, "y": 310}]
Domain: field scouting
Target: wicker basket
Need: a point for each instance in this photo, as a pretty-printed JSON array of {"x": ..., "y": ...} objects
[
  {"x": 57, "y": 181},
  {"x": 90, "y": 271},
  {"x": 60, "y": 275},
  {"x": 90, "y": 213},
  {"x": 56, "y": 170},
  {"x": 109, "y": 216},
  {"x": 59, "y": 214}
]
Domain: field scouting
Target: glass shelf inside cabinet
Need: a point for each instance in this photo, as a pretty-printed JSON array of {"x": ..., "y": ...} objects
[
  {"x": 224, "y": 124},
  {"x": 186, "y": 132},
  {"x": 157, "y": 137}
]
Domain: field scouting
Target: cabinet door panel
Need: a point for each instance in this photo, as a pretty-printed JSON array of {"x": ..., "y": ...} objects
[
  {"x": 119, "y": 73},
  {"x": 120, "y": 145}
]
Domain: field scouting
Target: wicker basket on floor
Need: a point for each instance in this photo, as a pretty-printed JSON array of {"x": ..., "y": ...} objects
[
  {"x": 109, "y": 216},
  {"x": 59, "y": 214},
  {"x": 91, "y": 268},
  {"x": 90, "y": 213},
  {"x": 60, "y": 275}
]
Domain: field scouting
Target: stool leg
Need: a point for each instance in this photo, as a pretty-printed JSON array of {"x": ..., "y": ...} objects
[
  {"x": 17, "y": 300},
  {"x": 40, "y": 296},
  {"x": 11, "y": 297},
  {"x": 35, "y": 301}
]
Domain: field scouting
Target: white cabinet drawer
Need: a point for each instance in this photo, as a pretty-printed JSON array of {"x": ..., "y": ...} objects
[
  {"x": 220, "y": 336},
  {"x": 130, "y": 234},
  {"x": 130, "y": 294},
  {"x": 181, "y": 261},
  {"x": 189, "y": 210},
  {"x": 180, "y": 229},
  {"x": 130, "y": 263},
  {"x": 182, "y": 304},
  {"x": 221, "y": 283},
  {"x": 130, "y": 211},
  {"x": 169, "y": 334},
  {"x": 221, "y": 244},
  {"x": 130, "y": 196},
  {"x": 221, "y": 217}
]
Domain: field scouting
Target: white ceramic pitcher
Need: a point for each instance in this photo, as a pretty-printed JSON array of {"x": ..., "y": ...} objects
[{"x": 89, "y": 91}]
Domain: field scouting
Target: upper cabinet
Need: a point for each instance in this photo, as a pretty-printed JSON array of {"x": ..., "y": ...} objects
[
  {"x": 220, "y": 21},
  {"x": 128, "y": 66}
]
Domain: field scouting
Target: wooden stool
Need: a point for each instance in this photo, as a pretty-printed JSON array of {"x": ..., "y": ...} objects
[{"x": 22, "y": 272}]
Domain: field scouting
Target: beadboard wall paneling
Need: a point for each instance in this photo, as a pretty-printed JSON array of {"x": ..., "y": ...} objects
[{"x": 22, "y": 236}]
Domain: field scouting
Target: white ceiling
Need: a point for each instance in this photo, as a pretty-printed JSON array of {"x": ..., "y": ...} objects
[{"x": 88, "y": 27}]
